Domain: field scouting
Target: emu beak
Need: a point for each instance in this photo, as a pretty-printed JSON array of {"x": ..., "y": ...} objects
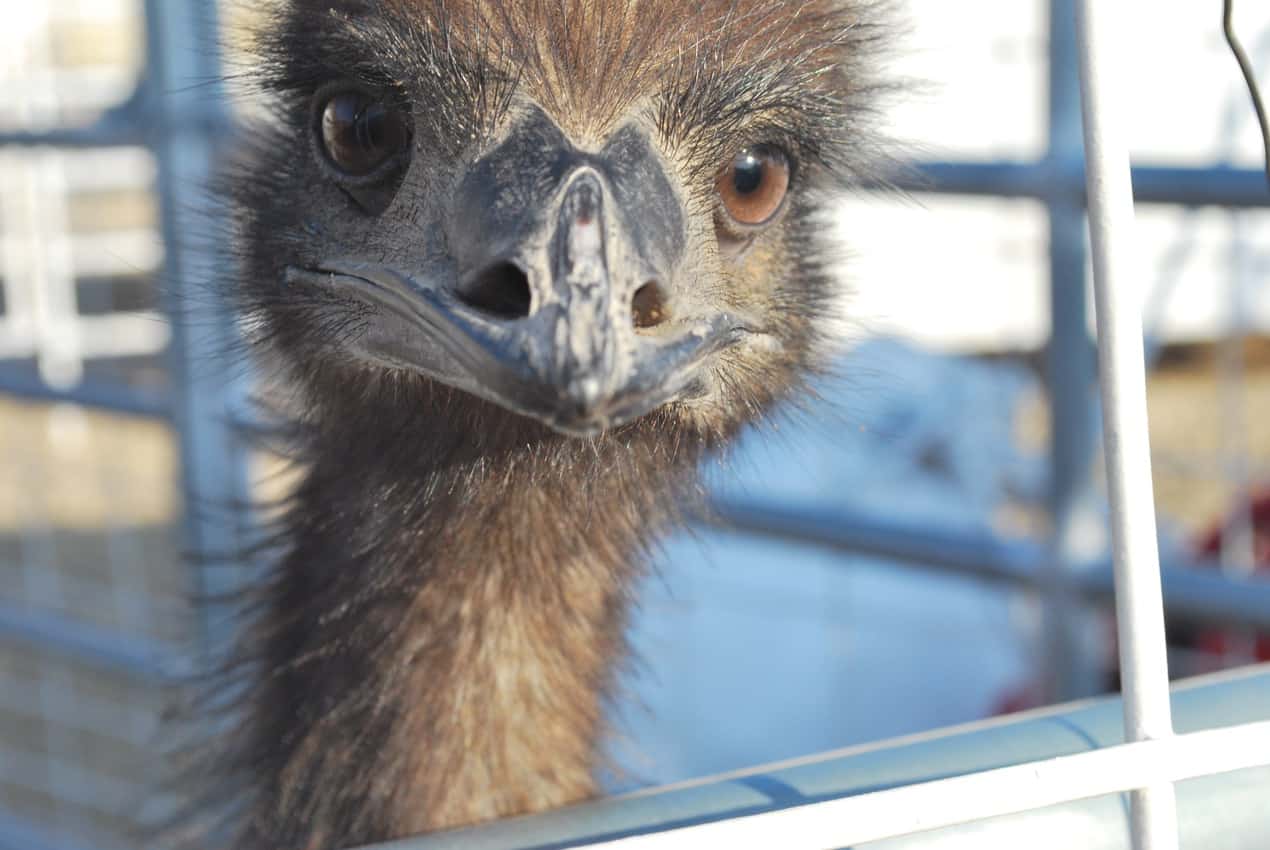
[
  {"x": 568, "y": 365},
  {"x": 539, "y": 318}
]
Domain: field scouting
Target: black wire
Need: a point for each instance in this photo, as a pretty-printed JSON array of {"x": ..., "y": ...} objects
[{"x": 1245, "y": 65}]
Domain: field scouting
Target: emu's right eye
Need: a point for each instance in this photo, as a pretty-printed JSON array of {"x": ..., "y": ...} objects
[{"x": 360, "y": 134}]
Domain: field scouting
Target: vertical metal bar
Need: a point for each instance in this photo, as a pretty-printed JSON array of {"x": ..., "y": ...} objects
[
  {"x": 1122, "y": 378},
  {"x": 184, "y": 66},
  {"x": 1067, "y": 673},
  {"x": 1237, "y": 550}
]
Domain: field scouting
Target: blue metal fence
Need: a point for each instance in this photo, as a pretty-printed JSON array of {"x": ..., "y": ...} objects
[{"x": 178, "y": 113}]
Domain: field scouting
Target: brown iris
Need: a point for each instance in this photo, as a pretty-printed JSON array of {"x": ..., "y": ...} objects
[
  {"x": 754, "y": 184},
  {"x": 360, "y": 134}
]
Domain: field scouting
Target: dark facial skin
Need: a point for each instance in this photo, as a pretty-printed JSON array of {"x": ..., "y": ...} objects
[{"x": 531, "y": 304}]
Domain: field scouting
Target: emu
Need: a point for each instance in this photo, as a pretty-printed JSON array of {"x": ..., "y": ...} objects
[{"x": 519, "y": 265}]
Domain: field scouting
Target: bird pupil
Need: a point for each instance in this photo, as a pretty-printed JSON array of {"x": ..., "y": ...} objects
[
  {"x": 747, "y": 174},
  {"x": 372, "y": 127},
  {"x": 360, "y": 134}
]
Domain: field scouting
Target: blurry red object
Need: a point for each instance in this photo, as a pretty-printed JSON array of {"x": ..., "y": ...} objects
[
  {"x": 1213, "y": 643},
  {"x": 1216, "y": 641}
]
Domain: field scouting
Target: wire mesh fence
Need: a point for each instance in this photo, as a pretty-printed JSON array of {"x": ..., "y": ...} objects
[{"x": 93, "y": 516}]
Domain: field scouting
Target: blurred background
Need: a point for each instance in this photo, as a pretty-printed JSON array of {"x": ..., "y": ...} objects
[{"x": 926, "y": 548}]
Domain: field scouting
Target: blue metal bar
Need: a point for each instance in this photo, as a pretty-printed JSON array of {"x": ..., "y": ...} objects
[
  {"x": 1239, "y": 188},
  {"x": 1216, "y": 811},
  {"x": 112, "y": 397},
  {"x": 103, "y": 135},
  {"x": 19, "y": 835},
  {"x": 980, "y": 556},
  {"x": 136, "y": 659},
  {"x": 1070, "y": 366},
  {"x": 208, "y": 391},
  {"x": 1194, "y": 593},
  {"x": 132, "y": 122}
]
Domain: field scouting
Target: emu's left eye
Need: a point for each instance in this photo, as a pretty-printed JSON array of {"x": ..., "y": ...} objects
[
  {"x": 754, "y": 185},
  {"x": 359, "y": 134}
]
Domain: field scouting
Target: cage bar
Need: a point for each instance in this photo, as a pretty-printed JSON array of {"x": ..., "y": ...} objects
[
  {"x": 950, "y": 802},
  {"x": 930, "y": 781},
  {"x": 1195, "y": 592},
  {"x": 1126, "y": 442}
]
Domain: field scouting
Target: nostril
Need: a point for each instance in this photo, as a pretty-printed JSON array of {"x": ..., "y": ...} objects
[
  {"x": 649, "y": 308},
  {"x": 501, "y": 289}
]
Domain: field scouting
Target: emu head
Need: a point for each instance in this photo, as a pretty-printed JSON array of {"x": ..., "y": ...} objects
[{"x": 585, "y": 212}]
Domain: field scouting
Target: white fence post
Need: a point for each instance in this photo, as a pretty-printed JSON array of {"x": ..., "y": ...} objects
[{"x": 1122, "y": 378}]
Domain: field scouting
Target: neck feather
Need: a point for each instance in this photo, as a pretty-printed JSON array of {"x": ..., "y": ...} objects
[{"x": 437, "y": 644}]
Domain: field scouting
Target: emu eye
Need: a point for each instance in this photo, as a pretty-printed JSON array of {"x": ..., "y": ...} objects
[
  {"x": 754, "y": 184},
  {"x": 359, "y": 133}
]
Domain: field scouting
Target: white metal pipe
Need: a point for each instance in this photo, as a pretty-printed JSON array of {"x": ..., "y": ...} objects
[
  {"x": 948, "y": 802},
  {"x": 1103, "y": 42}
]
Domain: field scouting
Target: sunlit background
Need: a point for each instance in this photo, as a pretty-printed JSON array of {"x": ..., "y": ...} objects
[{"x": 754, "y": 648}]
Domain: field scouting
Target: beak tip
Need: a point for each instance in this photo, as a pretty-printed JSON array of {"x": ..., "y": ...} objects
[
  {"x": 584, "y": 398},
  {"x": 581, "y": 408},
  {"x": 587, "y": 391}
]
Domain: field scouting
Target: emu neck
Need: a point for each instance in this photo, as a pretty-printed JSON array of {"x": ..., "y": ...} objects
[
  {"x": 443, "y": 633},
  {"x": 516, "y": 631}
]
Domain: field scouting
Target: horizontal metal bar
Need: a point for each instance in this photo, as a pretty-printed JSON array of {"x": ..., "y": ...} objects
[
  {"x": 1195, "y": 594},
  {"x": 940, "y": 803},
  {"x": 102, "y": 395},
  {"x": 20, "y": 835},
  {"x": 1216, "y": 186},
  {"x": 101, "y": 135},
  {"x": 94, "y": 647},
  {"x": 131, "y": 122},
  {"x": 1221, "y": 186},
  {"x": 998, "y": 178},
  {"x": 1192, "y": 594},
  {"x": 881, "y": 770},
  {"x": 918, "y": 544}
]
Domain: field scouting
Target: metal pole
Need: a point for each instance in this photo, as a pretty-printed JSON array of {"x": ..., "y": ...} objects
[
  {"x": 1219, "y": 185},
  {"x": 927, "y": 806},
  {"x": 1195, "y": 592},
  {"x": 1122, "y": 377},
  {"x": 939, "y": 781},
  {"x": 1066, "y": 670},
  {"x": 208, "y": 395}
]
